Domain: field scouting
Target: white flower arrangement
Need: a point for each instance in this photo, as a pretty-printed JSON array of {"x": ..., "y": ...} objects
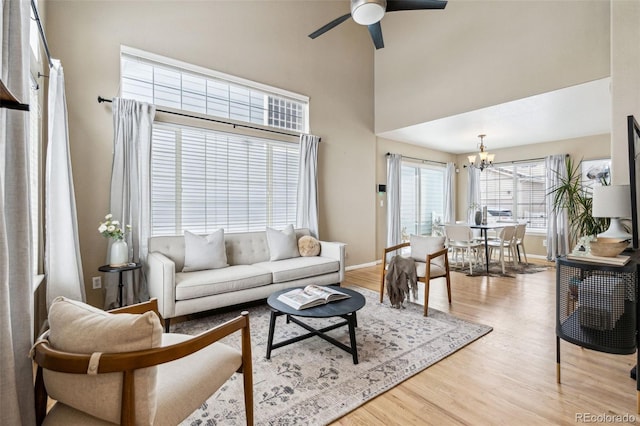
[{"x": 112, "y": 229}]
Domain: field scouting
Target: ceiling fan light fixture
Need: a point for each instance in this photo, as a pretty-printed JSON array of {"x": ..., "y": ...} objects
[{"x": 367, "y": 12}]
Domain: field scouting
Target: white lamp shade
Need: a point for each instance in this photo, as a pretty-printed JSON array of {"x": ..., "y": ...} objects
[{"x": 611, "y": 201}]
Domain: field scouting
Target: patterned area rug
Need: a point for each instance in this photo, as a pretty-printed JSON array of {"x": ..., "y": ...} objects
[
  {"x": 495, "y": 269},
  {"x": 313, "y": 382}
]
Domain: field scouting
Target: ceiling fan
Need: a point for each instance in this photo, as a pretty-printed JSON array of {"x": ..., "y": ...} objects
[{"x": 370, "y": 12}]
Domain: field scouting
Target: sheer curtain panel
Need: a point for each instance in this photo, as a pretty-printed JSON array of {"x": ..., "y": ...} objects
[
  {"x": 130, "y": 189},
  {"x": 394, "y": 170},
  {"x": 63, "y": 263},
  {"x": 558, "y": 221},
  {"x": 16, "y": 292},
  {"x": 307, "y": 205},
  {"x": 473, "y": 196},
  {"x": 449, "y": 193}
]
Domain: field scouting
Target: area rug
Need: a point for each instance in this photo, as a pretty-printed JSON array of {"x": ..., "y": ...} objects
[
  {"x": 312, "y": 382},
  {"x": 495, "y": 269}
]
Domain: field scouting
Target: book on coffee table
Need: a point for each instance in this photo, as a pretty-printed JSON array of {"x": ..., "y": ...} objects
[{"x": 311, "y": 295}]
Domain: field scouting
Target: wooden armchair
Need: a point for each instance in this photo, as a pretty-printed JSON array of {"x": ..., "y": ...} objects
[
  {"x": 435, "y": 264},
  {"x": 146, "y": 378}
]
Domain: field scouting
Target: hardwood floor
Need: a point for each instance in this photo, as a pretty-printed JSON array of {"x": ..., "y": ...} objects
[{"x": 508, "y": 376}]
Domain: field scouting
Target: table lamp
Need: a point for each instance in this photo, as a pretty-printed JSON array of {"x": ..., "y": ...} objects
[{"x": 612, "y": 201}]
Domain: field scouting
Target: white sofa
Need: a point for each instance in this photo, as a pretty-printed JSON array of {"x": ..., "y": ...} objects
[{"x": 250, "y": 275}]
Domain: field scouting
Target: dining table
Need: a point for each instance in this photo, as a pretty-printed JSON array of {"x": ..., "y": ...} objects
[{"x": 484, "y": 229}]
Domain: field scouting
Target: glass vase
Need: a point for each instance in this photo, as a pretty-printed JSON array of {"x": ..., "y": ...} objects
[{"x": 118, "y": 254}]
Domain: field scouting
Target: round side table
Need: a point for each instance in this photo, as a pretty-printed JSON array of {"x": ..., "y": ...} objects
[{"x": 120, "y": 270}]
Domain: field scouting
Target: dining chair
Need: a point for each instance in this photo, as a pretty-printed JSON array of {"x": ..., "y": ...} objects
[
  {"x": 504, "y": 242},
  {"x": 460, "y": 239},
  {"x": 521, "y": 230}
]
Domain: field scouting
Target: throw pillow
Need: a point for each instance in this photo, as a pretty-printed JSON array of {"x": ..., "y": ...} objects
[
  {"x": 282, "y": 244},
  {"x": 204, "y": 252},
  {"x": 423, "y": 245},
  {"x": 308, "y": 246},
  {"x": 80, "y": 328}
]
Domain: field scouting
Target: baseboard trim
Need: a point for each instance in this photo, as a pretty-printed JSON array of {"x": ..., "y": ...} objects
[{"x": 362, "y": 265}]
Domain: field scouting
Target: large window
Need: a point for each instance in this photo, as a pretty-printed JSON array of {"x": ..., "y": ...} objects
[
  {"x": 202, "y": 178},
  {"x": 422, "y": 198},
  {"x": 515, "y": 192}
]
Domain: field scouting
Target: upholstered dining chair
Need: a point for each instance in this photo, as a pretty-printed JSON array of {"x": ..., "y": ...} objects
[
  {"x": 430, "y": 256},
  {"x": 460, "y": 239},
  {"x": 504, "y": 242},
  {"x": 118, "y": 367}
]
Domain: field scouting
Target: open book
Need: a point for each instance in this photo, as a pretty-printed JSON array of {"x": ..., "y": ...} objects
[{"x": 311, "y": 295}]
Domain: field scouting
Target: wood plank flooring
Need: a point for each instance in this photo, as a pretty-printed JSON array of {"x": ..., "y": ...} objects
[{"x": 507, "y": 377}]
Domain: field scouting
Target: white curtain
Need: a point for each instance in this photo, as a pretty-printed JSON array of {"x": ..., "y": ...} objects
[
  {"x": 16, "y": 292},
  {"x": 130, "y": 190},
  {"x": 394, "y": 172},
  {"x": 307, "y": 213},
  {"x": 473, "y": 196},
  {"x": 449, "y": 193},
  {"x": 557, "y": 221},
  {"x": 63, "y": 264}
]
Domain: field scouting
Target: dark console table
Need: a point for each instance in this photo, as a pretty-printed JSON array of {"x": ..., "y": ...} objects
[{"x": 597, "y": 307}]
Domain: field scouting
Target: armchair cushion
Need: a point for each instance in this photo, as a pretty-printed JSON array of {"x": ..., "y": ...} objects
[
  {"x": 421, "y": 246},
  {"x": 204, "y": 252},
  {"x": 184, "y": 383},
  {"x": 80, "y": 328}
]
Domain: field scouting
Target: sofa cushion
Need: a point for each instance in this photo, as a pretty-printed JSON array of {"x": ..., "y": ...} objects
[
  {"x": 282, "y": 244},
  {"x": 191, "y": 285},
  {"x": 421, "y": 246},
  {"x": 299, "y": 267},
  {"x": 204, "y": 252},
  {"x": 81, "y": 328},
  {"x": 308, "y": 246}
]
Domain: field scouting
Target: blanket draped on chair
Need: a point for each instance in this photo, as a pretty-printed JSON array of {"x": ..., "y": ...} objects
[{"x": 401, "y": 276}]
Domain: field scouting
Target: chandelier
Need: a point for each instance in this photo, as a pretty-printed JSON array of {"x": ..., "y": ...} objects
[{"x": 486, "y": 159}]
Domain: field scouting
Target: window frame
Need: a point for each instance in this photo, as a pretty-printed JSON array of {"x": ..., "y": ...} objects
[
  {"x": 517, "y": 205},
  {"x": 418, "y": 196}
]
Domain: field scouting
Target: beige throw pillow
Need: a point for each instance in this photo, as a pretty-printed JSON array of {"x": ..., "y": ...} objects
[
  {"x": 308, "y": 246},
  {"x": 204, "y": 252},
  {"x": 79, "y": 328},
  {"x": 282, "y": 244},
  {"x": 423, "y": 245}
]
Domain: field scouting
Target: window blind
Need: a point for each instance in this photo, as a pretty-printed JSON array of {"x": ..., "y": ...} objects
[{"x": 202, "y": 180}]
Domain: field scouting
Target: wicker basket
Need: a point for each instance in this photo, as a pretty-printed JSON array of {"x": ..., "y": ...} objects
[{"x": 608, "y": 247}]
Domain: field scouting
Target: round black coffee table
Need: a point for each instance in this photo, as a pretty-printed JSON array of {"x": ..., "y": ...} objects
[{"x": 345, "y": 308}]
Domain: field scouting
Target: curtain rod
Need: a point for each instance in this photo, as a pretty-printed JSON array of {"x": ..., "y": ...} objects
[
  {"x": 421, "y": 159},
  {"x": 41, "y": 31},
  {"x": 101, "y": 100}
]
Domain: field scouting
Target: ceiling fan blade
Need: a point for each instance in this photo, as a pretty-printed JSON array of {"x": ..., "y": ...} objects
[
  {"x": 376, "y": 34},
  {"x": 330, "y": 25},
  {"x": 395, "y": 5}
]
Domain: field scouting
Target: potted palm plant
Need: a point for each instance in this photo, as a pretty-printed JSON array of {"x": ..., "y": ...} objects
[{"x": 572, "y": 195}]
